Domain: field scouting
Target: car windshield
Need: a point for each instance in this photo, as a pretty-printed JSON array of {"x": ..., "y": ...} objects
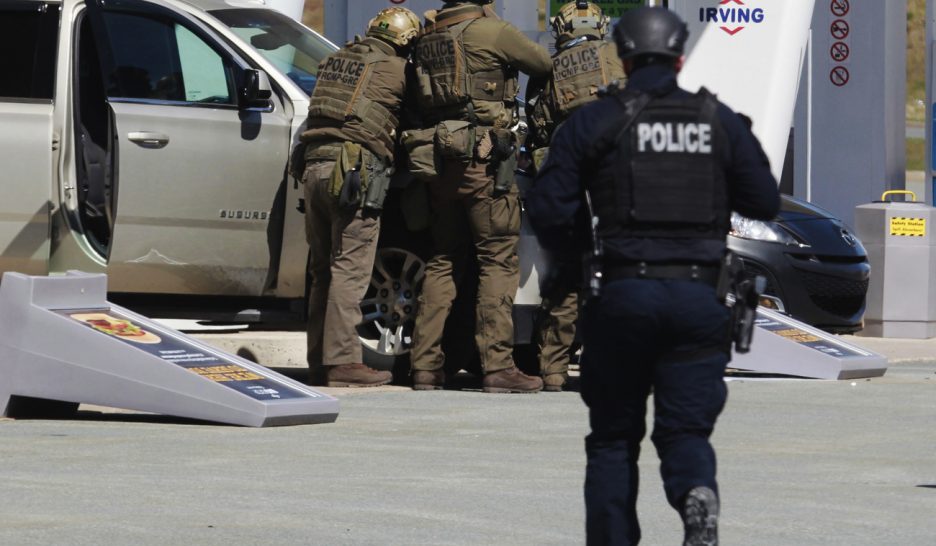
[{"x": 293, "y": 49}]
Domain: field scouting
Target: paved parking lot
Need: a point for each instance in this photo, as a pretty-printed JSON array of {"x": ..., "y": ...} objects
[{"x": 801, "y": 462}]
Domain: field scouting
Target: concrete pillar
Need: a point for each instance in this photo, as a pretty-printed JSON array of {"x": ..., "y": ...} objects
[
  {"x": 850, "y": 121},
  {"x": 929, "y": 185}
]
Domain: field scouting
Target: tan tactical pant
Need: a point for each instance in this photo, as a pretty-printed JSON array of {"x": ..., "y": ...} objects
[
  {"x": 343, "y": 245},
  {"x": 467, "y": 219},
  {"x": 555, "y": 335}
]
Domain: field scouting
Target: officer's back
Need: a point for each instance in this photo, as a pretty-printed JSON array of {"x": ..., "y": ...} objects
[
  {"x": 659, "y": 170},
  {"x": 591, "y": 133}
]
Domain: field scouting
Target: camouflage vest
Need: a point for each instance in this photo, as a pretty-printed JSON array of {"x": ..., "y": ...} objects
[
  {"x": 578, "y": 72},
  {"x": 339, "y": 92},
  {"x": 447, "y": 89}
]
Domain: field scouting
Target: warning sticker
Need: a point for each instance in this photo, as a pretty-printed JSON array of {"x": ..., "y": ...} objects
[{"x": 908, "y": 227}]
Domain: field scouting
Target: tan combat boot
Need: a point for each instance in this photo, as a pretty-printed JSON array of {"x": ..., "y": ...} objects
[
  {"x": 428, "y": 380},
  {"x": 511, "y": 380},
  {"x": 356, "y": 375}
]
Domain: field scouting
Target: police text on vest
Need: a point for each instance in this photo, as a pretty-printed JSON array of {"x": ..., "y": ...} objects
[{"x": 693, "y": 138}]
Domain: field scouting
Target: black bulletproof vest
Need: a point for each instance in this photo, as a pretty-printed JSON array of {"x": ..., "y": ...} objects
[{"x": 667, "y": 180}]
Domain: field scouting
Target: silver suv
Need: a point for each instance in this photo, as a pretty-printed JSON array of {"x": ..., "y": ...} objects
[{"x": 149, "y": 139}]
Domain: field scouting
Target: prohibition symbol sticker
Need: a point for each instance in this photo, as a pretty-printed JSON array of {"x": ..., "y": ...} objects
[
  {"x": 840, "y": 29},
  {"x": 840, "y": 7},
  {"x": 839, "y": 76},
  {"x": 839, "y": 51}
]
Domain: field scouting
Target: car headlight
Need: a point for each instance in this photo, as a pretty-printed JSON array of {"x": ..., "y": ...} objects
[{"x": 759, "y": 230}]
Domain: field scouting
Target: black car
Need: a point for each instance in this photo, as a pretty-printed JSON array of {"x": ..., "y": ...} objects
[{"x": 817, "y": 271}]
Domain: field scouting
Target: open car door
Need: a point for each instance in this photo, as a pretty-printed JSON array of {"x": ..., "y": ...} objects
[
  {"x": 28, "y": 147},
  {"x": 201, "y": 146}
]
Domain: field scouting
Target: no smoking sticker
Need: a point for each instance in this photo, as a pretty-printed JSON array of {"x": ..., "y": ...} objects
[
  {"x": 840, "y": 7},
  {"x": 839, "y": 76}
]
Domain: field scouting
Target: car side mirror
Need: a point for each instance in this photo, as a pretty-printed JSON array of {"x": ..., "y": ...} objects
[{"x": 256, "y": 91}]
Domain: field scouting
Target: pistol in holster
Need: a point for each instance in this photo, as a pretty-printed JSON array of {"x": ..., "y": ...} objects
[
  {"x": 741, "y": 291},
  {"x": 504, "y": 157}
]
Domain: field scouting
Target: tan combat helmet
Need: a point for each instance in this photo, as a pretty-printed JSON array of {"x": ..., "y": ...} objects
[
  {"x": 577, "y": 19},
  {"x": 395, "y": 25}
]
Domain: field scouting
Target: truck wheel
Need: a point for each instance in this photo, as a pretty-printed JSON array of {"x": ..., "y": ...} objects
[{"x": 389, "y": 309}]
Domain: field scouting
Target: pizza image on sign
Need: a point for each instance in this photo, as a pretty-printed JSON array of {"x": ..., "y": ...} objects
[{"x": 117, "y": 327}]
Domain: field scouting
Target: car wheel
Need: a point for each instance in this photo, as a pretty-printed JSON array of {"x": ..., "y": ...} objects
[{"x": 389, "y": 308}]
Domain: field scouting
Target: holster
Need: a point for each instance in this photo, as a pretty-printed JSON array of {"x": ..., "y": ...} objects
[
  {"x": 378, "y": 182},
  {"x": 505, "y": 159}
]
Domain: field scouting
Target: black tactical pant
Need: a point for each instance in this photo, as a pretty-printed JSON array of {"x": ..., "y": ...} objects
[{"x": 670, "y": 337}]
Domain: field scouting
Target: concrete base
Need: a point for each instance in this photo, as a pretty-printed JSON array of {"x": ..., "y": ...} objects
[
  {"x": 899, "y": 329},
  {"x": 61, "y": 341},
  {"x": 783, "y": 345}
]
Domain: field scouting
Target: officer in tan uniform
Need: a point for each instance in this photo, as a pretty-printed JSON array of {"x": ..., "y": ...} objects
[
  {"x": 354, "y": 113},
  {"x": 583, "y": 64},
  {"x": 467, "y": 64}
]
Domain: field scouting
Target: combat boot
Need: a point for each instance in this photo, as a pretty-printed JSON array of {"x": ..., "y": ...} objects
[
  {"x": 700, "y": 517},
  {"x": 553, "y": 382},
  {"x": 511, "y": 380},
  {"x": 428, "y": 380},
  {"x": 356, "y": 375}
]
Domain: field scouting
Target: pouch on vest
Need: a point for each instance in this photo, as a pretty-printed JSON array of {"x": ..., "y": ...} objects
[
  {"x": 455, "y": 140},
  {"x": 421, "y": 153},
  {"x": 348, "y": 178}
]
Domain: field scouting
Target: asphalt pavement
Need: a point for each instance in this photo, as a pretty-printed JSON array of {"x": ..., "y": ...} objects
[{"x": 801, "y": 462}]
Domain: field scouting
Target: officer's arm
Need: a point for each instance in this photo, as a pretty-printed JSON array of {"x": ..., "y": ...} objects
[
  {"x": 521, "y": 52},
  {"x": 753, "y": 188},
  {"x": 555, "y": 201}
]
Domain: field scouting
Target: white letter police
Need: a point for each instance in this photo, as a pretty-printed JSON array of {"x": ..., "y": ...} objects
[{"x": 692, "y": 138}]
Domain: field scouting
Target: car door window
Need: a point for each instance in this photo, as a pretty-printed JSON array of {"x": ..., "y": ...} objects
[
  {"x": 158, "y": 59},
  {"x": 295, "y": 50},
  {"x": 27, "y": 36}
]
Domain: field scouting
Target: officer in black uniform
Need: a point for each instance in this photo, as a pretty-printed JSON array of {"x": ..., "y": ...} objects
[{"x": 664, "y": 168}]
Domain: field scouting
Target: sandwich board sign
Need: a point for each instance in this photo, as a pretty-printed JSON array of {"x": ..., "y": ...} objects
[
  {"x": 784, "y": 345},
  {"x": 60, "y": 340}
]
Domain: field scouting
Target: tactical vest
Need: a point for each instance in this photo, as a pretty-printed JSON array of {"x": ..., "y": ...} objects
[
  {"x": 578, "y": 72},
  {"x": 667, "y": 179},
  {"x": 448, "y": 90},
  {"x": 339, "y": 93}
]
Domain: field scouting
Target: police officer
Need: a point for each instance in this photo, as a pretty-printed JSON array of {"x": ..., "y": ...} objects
[
  {"x": 467, "y": 62},
  {"x": 663, "y": 169},
  {"x": 583, "y": 64},
  {"x": 354, "y": 113}
]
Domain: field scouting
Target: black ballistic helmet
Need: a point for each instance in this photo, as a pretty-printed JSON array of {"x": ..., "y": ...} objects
[{"x": 650, "y": 31}]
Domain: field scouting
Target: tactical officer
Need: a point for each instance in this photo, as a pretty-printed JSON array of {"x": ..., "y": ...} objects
[
  {"x": 583, "y": 64},
  {"x": 354, "y": 113},
  {"x": 663, "y": 168},
  {"x": 467, "y": 62}
]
